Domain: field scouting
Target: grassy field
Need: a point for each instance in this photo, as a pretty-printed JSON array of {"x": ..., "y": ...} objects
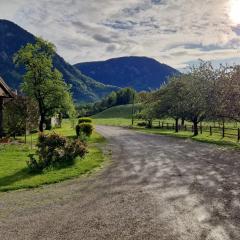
[
  {"x": 15, "y": 175},
  {"x": 121, "y": 116},
  {"x": 116, "y": 116}
]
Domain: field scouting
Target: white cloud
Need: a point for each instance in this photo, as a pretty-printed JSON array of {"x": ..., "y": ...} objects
[{"x": 175, "y": 32}]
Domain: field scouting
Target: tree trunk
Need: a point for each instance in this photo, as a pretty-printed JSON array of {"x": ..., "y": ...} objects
[
  {"x": 1, "y": 117},
  {"x": 195, "y": 128},
  {"x": 41, "y": 123},
  {"x": 176, "y": 124},
  {"x": 182, "y": 122}
]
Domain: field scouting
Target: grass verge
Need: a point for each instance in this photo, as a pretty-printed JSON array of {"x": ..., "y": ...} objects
[
  {"x": 205, "y": 137},
  {"x": 14, "y": 173}
]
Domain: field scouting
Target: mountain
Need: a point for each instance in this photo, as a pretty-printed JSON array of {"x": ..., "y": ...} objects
[
  {"x": 13, "y": 37},
  {"x": 141, "y": 73}
]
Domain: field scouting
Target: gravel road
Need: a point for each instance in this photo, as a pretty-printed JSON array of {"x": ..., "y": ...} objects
[{"x": 156, "y": 187}]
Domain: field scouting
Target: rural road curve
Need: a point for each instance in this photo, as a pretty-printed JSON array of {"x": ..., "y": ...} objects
[{"x": 156, "y": 187}]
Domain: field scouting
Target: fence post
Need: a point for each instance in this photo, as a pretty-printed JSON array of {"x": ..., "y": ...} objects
[
  {"x": 167, "y": 125},
  {"x": 210, "y": 130},
  {"x": 238, "y": 134},
  {"x": 159, "y": 124},
  {"x": 162, "y": 124},
  {"x": 223, "y": 131},
  {"x": 185, "y": 127}
]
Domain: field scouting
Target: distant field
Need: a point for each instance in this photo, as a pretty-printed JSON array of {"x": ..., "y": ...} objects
[{"x": 116, "y": 116}]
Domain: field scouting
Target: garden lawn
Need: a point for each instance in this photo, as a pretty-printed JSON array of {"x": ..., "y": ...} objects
[{"x": 14, "y": 173}]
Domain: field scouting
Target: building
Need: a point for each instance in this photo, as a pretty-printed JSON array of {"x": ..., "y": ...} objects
[{"x": 5, "y": 93}]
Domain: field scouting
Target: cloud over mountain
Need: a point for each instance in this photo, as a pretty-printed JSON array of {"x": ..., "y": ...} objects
[{"x": 175, "y": 32}]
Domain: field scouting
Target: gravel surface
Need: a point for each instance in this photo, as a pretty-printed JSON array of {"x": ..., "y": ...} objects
[{"x": 156, "y": 187}]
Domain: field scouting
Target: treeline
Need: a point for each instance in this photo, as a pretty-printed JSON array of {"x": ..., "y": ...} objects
[
  {"x": 122, "y": 97},
  {"x": 203, "y": 93}
]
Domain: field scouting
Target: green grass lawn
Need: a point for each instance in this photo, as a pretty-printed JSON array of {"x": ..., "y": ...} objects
[
  {"x": 121, "y": 116},
  {"x": 115, "y": 116},
  {"x": 14, "y": 173}
]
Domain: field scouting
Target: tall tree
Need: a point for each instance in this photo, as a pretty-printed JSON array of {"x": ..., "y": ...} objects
[
  {"x": 42, "y": 82},
  {"x": 199, "y": 87}
]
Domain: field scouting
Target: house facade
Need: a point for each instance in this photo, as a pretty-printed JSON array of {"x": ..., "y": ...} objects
[{"x": 5, "y": 93}]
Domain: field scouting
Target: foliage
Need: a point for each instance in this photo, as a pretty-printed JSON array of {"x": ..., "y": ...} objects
[
  {"x": 122, "y": 97},
  {"x": 20, "y": 114},
  {"x": 85, "y": 129},
  {"x": 42, "y": 81},
  {"x": 202, "y": 93},
  {"x": 54, "y": 150},
  {"x": 84, "y": 120}
]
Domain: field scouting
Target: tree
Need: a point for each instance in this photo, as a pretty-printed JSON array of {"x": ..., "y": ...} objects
[
  {"x": 227, "y": 93},
  {"x": 171, "y": 100},
  {"x": 42, "y": 81},
  {"x": 199, "y": 88},
  {"x": 20, "y": 114}
]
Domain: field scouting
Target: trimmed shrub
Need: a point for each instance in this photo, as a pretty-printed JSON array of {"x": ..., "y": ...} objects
[
  {"x": 142, "y": 124},
  {"x": 84, "y": 120},
  {"x": 86, "y": 129},
  {"x": 55, "y": 150}
]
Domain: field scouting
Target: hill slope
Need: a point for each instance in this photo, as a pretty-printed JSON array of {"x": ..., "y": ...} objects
[
  {"x": 13, "y": 37},
  {"x": 140, "y": 73},
  {"x": 121, "y": 111}
]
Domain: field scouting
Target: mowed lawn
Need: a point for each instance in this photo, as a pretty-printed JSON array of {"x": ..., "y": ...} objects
[
  {"x": 121, "y": 116},
  {"x": 14, "y": 173}
]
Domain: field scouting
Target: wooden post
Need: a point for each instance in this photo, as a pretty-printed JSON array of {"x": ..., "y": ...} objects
[
  {"x": 159, "y": 124},
  {"x": 210, "y": 130},
  {"x": 223, "y": 130},
  {"x": 1, "y": 117},
  {"x": 201, "y": 128},
  {"x": 238, "y": 134},
  {"x": 162, "y": 124}
]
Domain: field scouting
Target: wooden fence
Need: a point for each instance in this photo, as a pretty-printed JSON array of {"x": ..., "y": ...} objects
[{"x": 211, "y": 130}]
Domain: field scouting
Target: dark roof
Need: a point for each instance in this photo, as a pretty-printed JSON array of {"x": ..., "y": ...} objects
[{"x": 5, "y": 91}]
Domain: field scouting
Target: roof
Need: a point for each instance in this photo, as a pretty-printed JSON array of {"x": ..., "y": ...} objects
[{"x": 5, "y": 91}]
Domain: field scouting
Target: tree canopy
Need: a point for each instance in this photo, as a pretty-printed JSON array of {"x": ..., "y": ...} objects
[{"x": 42, "y": 81}]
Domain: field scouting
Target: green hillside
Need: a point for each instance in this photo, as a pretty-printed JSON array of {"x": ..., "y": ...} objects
[{"x": 116, "y": 116}]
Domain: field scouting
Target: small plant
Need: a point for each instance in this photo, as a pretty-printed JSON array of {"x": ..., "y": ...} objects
[
  {"x": 86, "y": 129},
  {"x": 84, "y": 120},
  {"x": 54, "y": 150}
]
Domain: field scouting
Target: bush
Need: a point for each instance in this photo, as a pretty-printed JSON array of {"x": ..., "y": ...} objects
[
  {"x": 142, "y": 124},
  {"x": 84, "y": 129},
  {"x": 84, "y": 120},
  {"x": 54, "y": 150}
]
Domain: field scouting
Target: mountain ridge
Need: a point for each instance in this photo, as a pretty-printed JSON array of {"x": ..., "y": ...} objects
[
  {"x": 139, "y": 72},
  {"x": 13, "y": 37}
]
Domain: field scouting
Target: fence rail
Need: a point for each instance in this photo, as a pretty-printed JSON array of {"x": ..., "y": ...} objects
[{"x": 212, "y": 130}]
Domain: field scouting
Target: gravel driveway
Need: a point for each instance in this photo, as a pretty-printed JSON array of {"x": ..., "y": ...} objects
[{"x": 156, "y": 187}]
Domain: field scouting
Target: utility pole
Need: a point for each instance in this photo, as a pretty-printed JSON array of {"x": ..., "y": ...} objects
[{"x": 133, "y": 108}]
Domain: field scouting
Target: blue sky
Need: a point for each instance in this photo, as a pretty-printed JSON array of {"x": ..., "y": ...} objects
[{"x": 175, "y": 32}]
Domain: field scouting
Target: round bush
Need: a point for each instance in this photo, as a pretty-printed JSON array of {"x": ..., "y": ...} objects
[
  {"x": 84, "y": 120},
  {"x": 86, "y": 128}
]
